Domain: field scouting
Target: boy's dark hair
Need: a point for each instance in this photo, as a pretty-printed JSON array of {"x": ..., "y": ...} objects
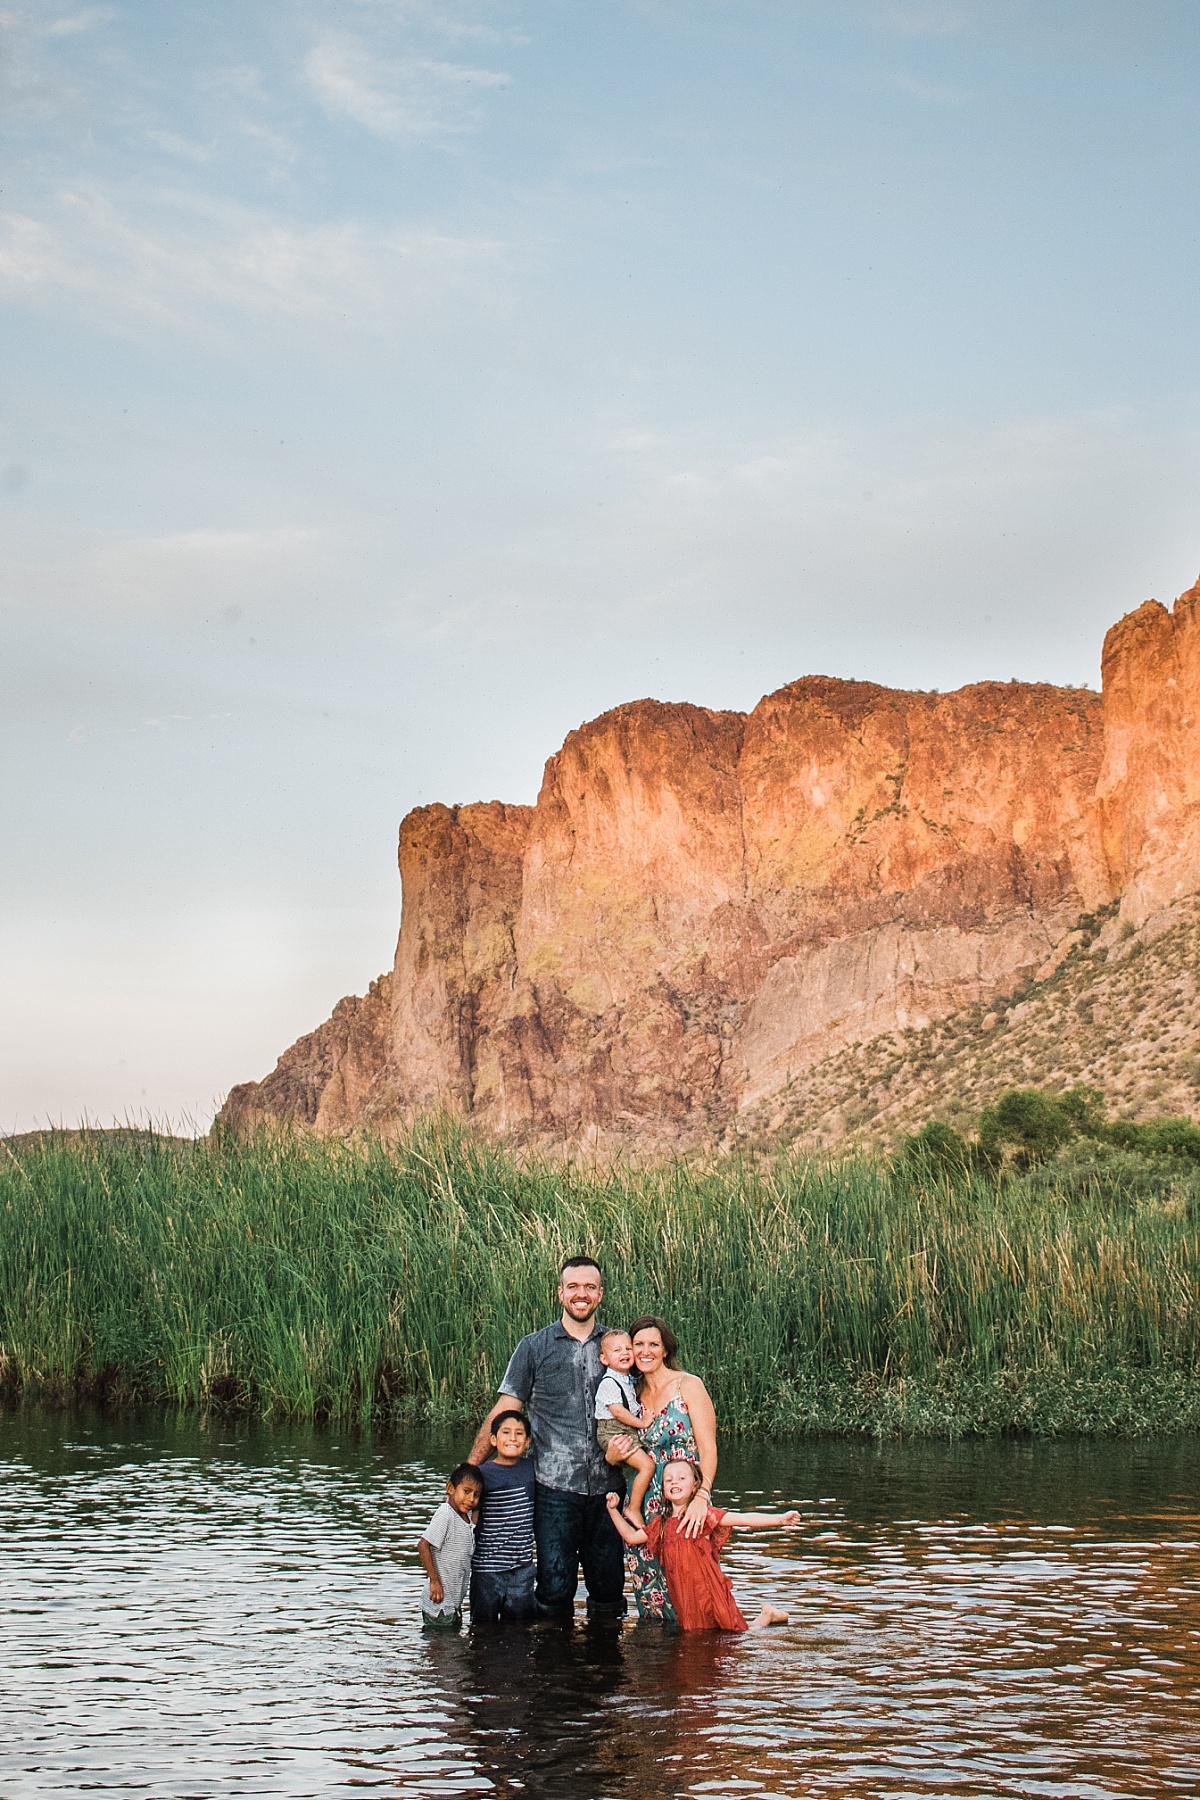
[
  {"x": 582, "y": 1262},
  {"x": 464, "y": 1472},
  {"x": 514, "y": 1412}
]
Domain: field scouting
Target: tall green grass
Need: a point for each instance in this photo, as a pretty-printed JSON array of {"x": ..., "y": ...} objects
[{"x": 304, "y": 1277}]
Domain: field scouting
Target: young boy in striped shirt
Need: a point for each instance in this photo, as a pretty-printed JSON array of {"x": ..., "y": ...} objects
[{"x": 502, "y": 1565}]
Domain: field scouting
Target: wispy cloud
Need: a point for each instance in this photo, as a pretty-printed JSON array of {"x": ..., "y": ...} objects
[
  {"x": 184, "y": 262},
  {"x": 174, "y": 145},
  {"x": 929, "y": 93},
  {"x": 923, "y": 18},
  {"x": 71, "y": 24},
  {"x": 396, "y": 97}
]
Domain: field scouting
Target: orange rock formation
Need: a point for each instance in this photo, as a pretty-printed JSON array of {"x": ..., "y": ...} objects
[{"x": 703, "y": 904}]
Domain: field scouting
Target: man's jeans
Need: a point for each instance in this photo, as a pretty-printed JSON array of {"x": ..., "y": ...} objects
[
  {"x": 498, "y": 1594},
  {"x": 571, "y": 1529}
]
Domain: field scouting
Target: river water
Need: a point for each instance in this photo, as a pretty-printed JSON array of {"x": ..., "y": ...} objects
[{"x": 212, "y": 1609}]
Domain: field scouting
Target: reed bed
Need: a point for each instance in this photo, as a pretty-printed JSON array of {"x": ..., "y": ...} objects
[{"x": 294, "y": 1276}]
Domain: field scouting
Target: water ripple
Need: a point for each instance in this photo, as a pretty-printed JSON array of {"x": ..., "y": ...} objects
[{"x": 192, "y": 1611}]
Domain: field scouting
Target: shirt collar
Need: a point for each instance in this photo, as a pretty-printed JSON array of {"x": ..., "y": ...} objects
[{"x": 560, "y": 1330}]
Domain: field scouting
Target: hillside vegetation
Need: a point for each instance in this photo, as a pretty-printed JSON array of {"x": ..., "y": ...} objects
[
  {"x": 1120, "y": 1013},
  {"x": 288, "y": 1274}
]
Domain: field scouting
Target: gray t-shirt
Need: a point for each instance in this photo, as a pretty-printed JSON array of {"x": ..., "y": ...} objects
[
  {"x": 452, "y": 1540},
  {"x": 555, "y": 1378}
]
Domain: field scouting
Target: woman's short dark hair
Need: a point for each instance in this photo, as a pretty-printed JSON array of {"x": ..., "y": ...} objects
[{"x": 670, "y": 1343}]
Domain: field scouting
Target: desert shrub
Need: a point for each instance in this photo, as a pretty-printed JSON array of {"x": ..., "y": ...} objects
[
  {"x": 1089, "y": 1170},
  {"x": 1070, "y": 1135},
  {"x": 1177, "y": 1138},
  {"x": 939, "y": 1151},
  {"x": 1023, "y": 1128}
]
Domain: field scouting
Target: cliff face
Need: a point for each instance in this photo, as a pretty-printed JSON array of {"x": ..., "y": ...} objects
[
  {"x": 703, "y": 905},
  {"x": 1149, "y": 788}
]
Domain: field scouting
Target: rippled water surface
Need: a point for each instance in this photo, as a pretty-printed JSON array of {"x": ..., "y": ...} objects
[{"x": 206, "y": 1609}]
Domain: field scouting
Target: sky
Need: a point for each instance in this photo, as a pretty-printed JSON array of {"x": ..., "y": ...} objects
[{"x": 388, "y": 387}]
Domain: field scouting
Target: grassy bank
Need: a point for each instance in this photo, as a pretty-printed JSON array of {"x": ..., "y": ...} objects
[{"x": 311, "y": 1278}]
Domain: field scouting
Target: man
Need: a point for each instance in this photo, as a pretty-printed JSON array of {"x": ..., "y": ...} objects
[{"x": 554, "y": 1375}]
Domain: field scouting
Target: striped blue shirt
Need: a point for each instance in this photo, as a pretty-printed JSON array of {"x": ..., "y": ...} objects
[{"x": 504, "y": 1534}]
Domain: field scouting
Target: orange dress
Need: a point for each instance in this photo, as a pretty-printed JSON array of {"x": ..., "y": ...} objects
[{"x": 698, "y": 1585}]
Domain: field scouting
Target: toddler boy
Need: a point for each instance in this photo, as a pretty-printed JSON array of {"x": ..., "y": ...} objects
[
  {"x": 618, "y": 1414},
  {"x": 502, "y": 1580},
  {"x": 445, "y": 1550}
]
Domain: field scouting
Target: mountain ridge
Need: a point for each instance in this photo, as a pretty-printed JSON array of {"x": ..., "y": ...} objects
[{"x": 704, "y": 907}]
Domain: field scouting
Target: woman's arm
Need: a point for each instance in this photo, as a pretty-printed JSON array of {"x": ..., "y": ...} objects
[
  {"x": 629, "y": 1532},
  {"x": 704, "y": 1430},
  {"x": 785, "y": 1521}
]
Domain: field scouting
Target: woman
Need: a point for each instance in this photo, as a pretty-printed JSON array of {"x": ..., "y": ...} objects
[{"x": 683, "y": 1424}]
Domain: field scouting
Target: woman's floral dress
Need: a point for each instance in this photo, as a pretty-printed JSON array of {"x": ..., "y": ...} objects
[{"x": 668, "y": 1434}]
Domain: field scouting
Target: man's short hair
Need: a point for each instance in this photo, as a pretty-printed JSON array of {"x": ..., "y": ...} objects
[
  {"x": 464, "y": 1472},
  {"x": 581, "y": 1262},
  {"x": 513, "y": 1412}
]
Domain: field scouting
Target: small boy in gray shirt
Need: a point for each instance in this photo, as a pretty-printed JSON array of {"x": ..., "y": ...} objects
[{"x": 446, "y": 1550}]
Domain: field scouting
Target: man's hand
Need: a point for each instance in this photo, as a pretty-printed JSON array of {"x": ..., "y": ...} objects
[
  {"x": 694, "y": 1514},
  {"x": 621, "y": 1444},
  {"x": 437, "y": 1592}
]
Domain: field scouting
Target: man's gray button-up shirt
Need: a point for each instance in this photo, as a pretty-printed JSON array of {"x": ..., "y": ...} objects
[{"x": 555, "y": 1378}]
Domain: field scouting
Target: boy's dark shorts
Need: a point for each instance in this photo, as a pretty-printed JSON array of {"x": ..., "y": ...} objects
[{"x": 498, "y": 1594}]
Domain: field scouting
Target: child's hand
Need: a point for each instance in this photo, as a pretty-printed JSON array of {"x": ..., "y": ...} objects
[
  {"x": 790, "y": 1518},
  {"x": 613, "y": 1502},
  {"x": 437, "y": 1592}
]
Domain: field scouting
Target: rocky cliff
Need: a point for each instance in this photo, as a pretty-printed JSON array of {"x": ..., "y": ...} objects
[{"x": 703, "y": 907}]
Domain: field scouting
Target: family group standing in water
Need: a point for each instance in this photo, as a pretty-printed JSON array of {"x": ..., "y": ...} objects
[{"x": 543, "y": 1495}]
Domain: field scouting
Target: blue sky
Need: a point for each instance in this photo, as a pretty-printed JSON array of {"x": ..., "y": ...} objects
[{"x": 389, "y": 387}]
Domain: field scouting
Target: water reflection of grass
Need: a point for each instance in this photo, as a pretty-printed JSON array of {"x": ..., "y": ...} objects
[{"x": 306, "y": 1277}]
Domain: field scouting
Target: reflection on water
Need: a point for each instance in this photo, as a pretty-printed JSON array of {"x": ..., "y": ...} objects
[{"x": 220, "y": 1610}]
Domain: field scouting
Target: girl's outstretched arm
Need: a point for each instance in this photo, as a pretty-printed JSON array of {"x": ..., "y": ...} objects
[
  {"x": 762, "y": 1521},
  {"x": 629, "y": 1532}
]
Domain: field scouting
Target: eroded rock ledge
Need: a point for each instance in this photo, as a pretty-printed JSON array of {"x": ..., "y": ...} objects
[{"x": 704, "y": 905}]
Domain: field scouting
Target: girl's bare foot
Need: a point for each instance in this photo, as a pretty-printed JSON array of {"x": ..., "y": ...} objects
[
  {"x": 770, "y": 1615},
  {"x": 635, "y": 1518}
]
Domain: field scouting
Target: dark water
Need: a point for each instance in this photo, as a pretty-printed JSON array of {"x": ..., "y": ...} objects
[{"x": 215, "y": 1610}]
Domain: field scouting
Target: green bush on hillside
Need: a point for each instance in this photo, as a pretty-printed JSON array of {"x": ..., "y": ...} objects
[
  {"x": 1025, "y": 1127},
  {"x": 1028, "y": 1128},
  {"x": 938, "y": 1150}
]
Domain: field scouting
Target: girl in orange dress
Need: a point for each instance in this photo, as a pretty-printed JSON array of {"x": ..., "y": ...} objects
[{"x": 698, "y": 1586}]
